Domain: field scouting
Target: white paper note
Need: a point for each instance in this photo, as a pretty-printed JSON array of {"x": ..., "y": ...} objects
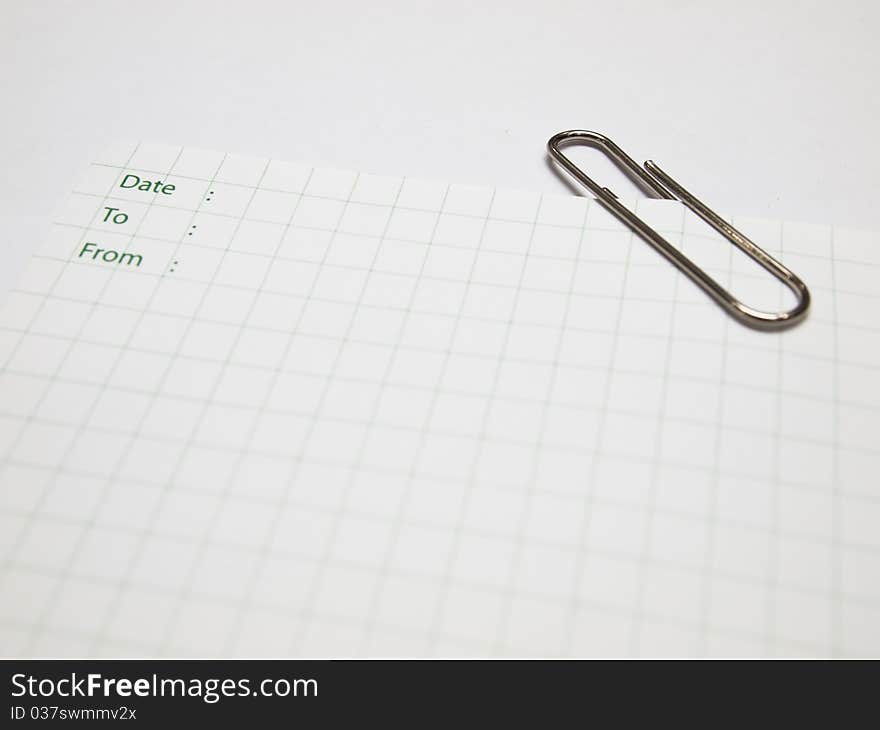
[{"x": 254, "y": 408}]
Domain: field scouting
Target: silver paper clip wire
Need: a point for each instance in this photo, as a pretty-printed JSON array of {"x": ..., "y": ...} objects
[{"x": 664, "y": 186}]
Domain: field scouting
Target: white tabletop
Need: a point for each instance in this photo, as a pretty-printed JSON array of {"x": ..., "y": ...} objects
[{"x": 759, "y": 108}]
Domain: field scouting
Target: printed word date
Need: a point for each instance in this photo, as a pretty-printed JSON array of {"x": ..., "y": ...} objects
[{"x": 148, "y": 186}]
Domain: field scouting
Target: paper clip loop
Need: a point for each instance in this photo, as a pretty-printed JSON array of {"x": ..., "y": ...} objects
[{"x": 665, "y": 187}]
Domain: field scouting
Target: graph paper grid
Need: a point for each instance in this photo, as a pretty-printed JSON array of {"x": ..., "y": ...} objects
[{"x": 324, "y": 413}]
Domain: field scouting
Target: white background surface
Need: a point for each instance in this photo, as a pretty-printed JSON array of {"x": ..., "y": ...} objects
[{"x": 761, "y": 108}]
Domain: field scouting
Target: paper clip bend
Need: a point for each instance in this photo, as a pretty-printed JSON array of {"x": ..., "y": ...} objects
[{"x": 664, "y": 186}]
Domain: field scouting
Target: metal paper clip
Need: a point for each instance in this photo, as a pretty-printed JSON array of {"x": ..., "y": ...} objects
[{"x": 664, "y": 186}]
